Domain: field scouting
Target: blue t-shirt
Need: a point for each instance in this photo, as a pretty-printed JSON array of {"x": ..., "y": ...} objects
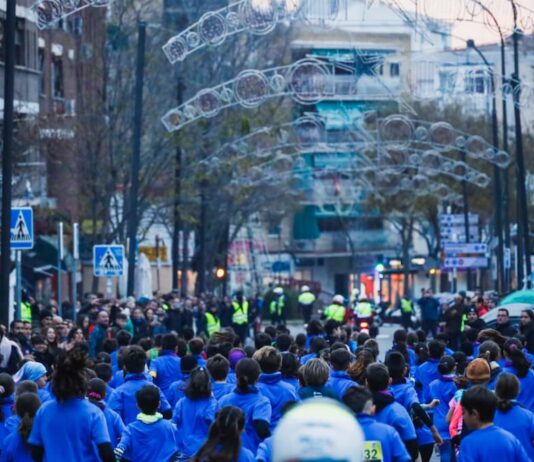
[
  {"x": 304, "y": 359},
  {"x": 265, "y": 450},
  {"x": 277, "y": 392},
  {"x": 15, "y": 450},
  {"x": 165, "y": 369},
  {"x": 148, "y": 442},
  {"x": 231, "y": 377},
  {"x": 109, "y": 391},
  {"x": 219, "y": 389},
  {"x": 391, "y": 445},
  {"x": 177, "y": 390},
  {"x": 12, "y": 423},
  {"x": 340, "y": 381},
  {"x": 425, "y": 374},
  {"x": 115, "y": 426},
  {"x": 443, "y": 389},
  {"x": 406, "y": 396},
  {"x": 397, "y": 416},
  {"x": 69, "y": 430},
  {"x": 491, "y": 443},
  {"x": 123, "y": 401},
  {"x": 255, "y": 406},
  {"x": 117, "y": 380},
  {"x": 526, "y": 393},
  {"x": 44, "y": 395},
  {"x": 193, "y": 419},
  {"x": 114, "y": 361},
  {"x": 7, "y": 408},
  {"x": 520, "y": 423},
  {"x": 293, "y": 381}
]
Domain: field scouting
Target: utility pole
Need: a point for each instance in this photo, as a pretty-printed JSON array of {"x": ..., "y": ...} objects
[
  {"x": 7, "y": 161},
  {"x": 466, "y": 217},
  {"x": 136, "y": 156},
  {"x": 201, "y": 285},
  {"x": 177, "y": 201}
]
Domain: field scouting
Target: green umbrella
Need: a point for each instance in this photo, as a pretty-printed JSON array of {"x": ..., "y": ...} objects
[{"x": 519, "y": 296}]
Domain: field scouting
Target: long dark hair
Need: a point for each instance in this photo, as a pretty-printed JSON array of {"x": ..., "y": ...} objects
[
  {"x": 512, "y": 348},
  {"x": 26, "y": 407},
  {"x": 69, "y": 379},
  {"x": 7, "y": 386},
  {"x": 199, "y": 384},
  {"x": 224, "y": 438},
  {"x": 247, "y": 373},
  {"x": 506, "y": 389}
]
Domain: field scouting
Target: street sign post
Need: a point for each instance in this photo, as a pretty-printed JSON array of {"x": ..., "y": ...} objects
[
  {"x": 465, "y": 255},
  {"x": 21, "y": 238},
  {"x": 108, "y": 262}
]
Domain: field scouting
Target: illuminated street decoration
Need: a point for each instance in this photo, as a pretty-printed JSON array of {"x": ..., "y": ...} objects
[{"x": 49, "y": 12}]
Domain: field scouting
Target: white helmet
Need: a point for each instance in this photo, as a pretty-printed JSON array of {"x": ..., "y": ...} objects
[
  {"x": 319, "y": 429},
  {"x": 338, "y": 299},
  {"x": 278, "y": 290},
  {"x": 304, "y": 289}
]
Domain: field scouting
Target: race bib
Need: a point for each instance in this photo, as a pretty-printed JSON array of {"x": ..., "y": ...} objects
[{"x": 372, "y": 451}]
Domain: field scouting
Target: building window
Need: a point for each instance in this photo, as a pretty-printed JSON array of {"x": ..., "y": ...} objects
[
  {"x": 41, "y": 64},
  {"x": 380, "y": 69},
  {"x": 20, "y": 42},
  {"x": 58, "y": 90},
  {"x": 394, "y": 69},
  {"x": 475, "y": 82}
]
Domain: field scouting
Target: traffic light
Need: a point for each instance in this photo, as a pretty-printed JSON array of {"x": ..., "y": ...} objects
[
  {"x": 379, "y": 264},
  {"x": 220, "y": 274}
]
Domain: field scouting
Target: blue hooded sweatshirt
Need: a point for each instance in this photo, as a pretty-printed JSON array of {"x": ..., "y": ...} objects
[
  {"x": 341, "y": 382},
  {"x": 491, "y": 443},
  {"x": 69, "y": 430},
  {"x": 193, "y": 418},
  {"x": 406, "y": 396},
  {"x": 526, "y": 393},
  {"x": 520, "y": 423},
  {"x": 123, "y": 401},
  {"x": 148, "y": 439},
  {"x": 390, "y": 412},
  {"x": 165, "y": 369},
  {"x": 277, "y": 392},
  {"x": 443, "y": 389},
  {"x": 255, "y": 406},
  {"x": 177, "y": 390},
  {"x": 425, "y": 374},
  {"x": 219, "y": 389},
  {"x": 382, "y": 442}
]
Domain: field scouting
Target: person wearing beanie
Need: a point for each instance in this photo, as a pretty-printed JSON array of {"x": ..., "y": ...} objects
[
  {"x": 176, "y": 390},
  {"x": 235, "y": 355},
  {"x": 486, "y": 441},
  {"x": 388, "y": 411},
  {"x": 340, "y": 380},
  {"x": 443, "y": 389},
  {"x": 403, "y": 391}
]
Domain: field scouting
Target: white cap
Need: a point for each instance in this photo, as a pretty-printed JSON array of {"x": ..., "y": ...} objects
[
  {"x": 278, "y": 290},
  {"x": 318, "y": 429},
  {"x": 338, "y": 299},
  {"x": 304, "y": 289}
]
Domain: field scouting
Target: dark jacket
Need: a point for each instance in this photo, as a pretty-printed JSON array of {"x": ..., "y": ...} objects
[
  {"x": 429, "y": 308},
  {"x": 453, "y": 318},
  {"x": 506, "y": 329},
  {"x": 528, "y": 332}
]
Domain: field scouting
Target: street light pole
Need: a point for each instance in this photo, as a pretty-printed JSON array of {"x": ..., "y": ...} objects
[
  {"x": 7, "y": 162},
  {"x": 521, "y": 187},
  {"x": 136, "y": 156},
  {"x": 466, "y": 217},
  {"x": 496, "y": 173}
]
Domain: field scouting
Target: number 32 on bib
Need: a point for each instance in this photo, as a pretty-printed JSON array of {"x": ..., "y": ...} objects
[{"x": 372, "y": 451}]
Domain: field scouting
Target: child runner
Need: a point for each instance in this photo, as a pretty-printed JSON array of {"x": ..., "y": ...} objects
[
  {"x": 443, "y": 390},
  {"x": 315, "y": 374},
  {"x": 340, "y": 380},
  {"x": 255, "y": 406},
  {"x": 176, "y": 390},
  {"x": 218, "y": 367},
  {"x": 289, "y": 369},
  {"x": 7, "y": 386},
  {"x": 35, "y": 372},
  {"x": 13, "y": 421},
  {"x": 388, "y": 411},
  {"x": 224, "y": 439},
  {"x": 403, "y": 391},
  {"x": 69, "y": 427},
  {"x": 519, "y": 365},
  {"x": 122, "y": 399},
  {"x": 270, "y": 382},
  {"x": 96, "y": 393},
  {"x": 491, "y": 352},
  {"x": 235, "y": 355},
  {"x": 165, "y": 369},
  {"x": 15, "y": 447},
  {"x": 427, "y": 372},
  {"x": 194, "y": 413},
  {"x": 196, "y": 347},
  {"x": 150, "y": 438},
  {"x": 382, "y": 442},
  {"x": 486, "y": 441},
  {"x": 511, "y": 416}
]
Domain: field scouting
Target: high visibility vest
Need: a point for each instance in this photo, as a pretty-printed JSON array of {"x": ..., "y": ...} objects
[
  {"x": 335, "y": 312},
  {"x": 213, "y": 324},
  {"x": 406, "y": 306},
  {"x": 306, "y": 298},
  {"x": 277, "y": 306},
  {"x": 25, "y": 312},
  {"x": 364, "y": 310},
  {"x": 240, "y": 315}
]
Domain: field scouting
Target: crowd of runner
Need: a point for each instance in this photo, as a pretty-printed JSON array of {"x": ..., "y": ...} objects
[{"x": 177, "y": 378}]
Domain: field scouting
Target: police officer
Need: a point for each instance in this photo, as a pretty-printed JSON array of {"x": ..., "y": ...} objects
[
  {"x": 306, "y": 302},
  {"x": 407, "y": 311},
  {"x": 277, "y": 308},
  {"x": 336, "y": 310},
  {"x": 363, "y": 309},
  {"x": 213, "y": 323},
  {"x": 240, "y": 316}
]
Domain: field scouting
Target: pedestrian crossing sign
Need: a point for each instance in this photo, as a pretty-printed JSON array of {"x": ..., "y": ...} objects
[
  {"x": 21, "y": 228},
  {"x": 108, "y": 260}
]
